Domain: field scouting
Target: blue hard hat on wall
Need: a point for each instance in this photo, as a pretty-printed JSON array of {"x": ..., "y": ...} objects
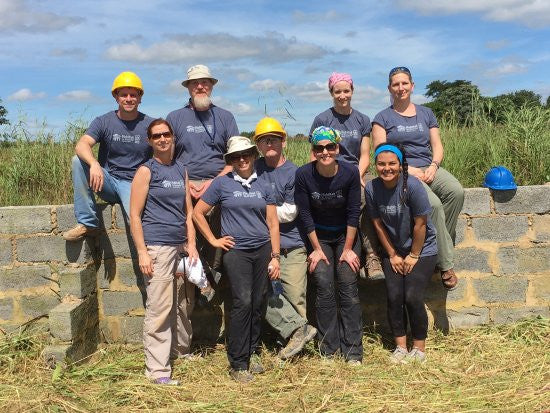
[{"x": 499, "y": 178}]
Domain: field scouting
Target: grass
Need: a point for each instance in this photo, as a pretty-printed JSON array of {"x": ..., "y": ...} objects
[
  {"x": 35, "y": 169},
  {"x": 490, "y": 368}
]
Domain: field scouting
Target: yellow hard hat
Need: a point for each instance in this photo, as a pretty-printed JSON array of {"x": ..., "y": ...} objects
[
  {"x": 127, "y": 79},
  {"x": 268, "y": 126}
]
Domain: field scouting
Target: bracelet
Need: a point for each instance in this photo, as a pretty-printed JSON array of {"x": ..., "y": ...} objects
[
  {"x": 276, "y": 255},
  {"x": 415, "y": 256},
  {"x": 436, "y": 164}
]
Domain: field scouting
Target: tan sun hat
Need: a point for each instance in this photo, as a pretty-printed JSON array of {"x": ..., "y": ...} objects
[
  {"x": 239, "y": 144},
  {"x": 199, "y": 72}
]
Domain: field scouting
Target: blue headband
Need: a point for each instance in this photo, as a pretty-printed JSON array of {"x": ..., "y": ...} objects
[{"x": 389, "y": 148}]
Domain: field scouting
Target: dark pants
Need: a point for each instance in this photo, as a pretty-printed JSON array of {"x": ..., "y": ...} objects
[
  {"x": 408, "y": 292},
  {"x": 337, "y": 306},
  {"x": 246, "y": 271}
]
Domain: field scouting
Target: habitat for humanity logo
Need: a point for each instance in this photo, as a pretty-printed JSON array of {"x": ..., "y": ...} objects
[
  {"x": 126, "y": 138},
  {"x": 199, "y": 129},
  {"x": 251, "y": 194},
  {"x": 172, "y": 184}
]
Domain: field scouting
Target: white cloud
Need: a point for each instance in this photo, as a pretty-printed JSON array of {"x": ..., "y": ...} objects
[
  {"x": 532, "y": 13},
  {"x": 25, "y": 94},
  {"x": 237, "y": 108},
  {"x": 270, "y": 47},
  {"x": 497, "y": 44},
  {"x": 76, "y": 95},
  {"x": 267, "y": 84},
  {"x": 18, "y": 16},
  {"x": 76, "y": 52}
]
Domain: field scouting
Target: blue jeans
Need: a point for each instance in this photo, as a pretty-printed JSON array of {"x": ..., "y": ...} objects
[
  {"x": 114, "y": 191},
  {"x": 337, "y": 305}
]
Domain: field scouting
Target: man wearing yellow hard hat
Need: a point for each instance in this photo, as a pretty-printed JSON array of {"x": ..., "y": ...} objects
[{"x": 123, "y": 146}]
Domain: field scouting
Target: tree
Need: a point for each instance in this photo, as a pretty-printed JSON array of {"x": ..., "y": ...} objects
[
  {"x": 453, "y": 100},
  {"x": 3, "y": 113}
]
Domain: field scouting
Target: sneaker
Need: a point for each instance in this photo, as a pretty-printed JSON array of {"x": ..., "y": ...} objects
[
  {"x": 255, "y": 365},
  {"x": 399, "y": 355},
  {"x": 374, "y": 267},
  {"x": 416, "y": 356},
  {"x": 166, "y": 381},
  {"x": 353, "y": 362},
  {"x": 241, "y": 376},
  {"x": 297, "y": 341},
  {"x": 449, "y": 279},
  {"x": 186, "y": 357},
  {"x": 79, "y": 232}
]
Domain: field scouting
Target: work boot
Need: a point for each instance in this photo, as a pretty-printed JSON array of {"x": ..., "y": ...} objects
[
  {"x": 241, "y": 376},
  {"x": 374, "y": 267},
  {"x": 297, "y": 341},
  {"x": 79, "y": 232},
  {"x": 255, "y": 365}
]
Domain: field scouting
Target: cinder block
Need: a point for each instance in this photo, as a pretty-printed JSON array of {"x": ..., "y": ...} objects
[
  {"x": 69, "y": 320},
  {"x": 542, "y": 287},
  {"x": 19, "y": 278},
  {"x": 106, "y": 272},
  {"x": 5, "y": 251},
  {"x": 105, "y": 215},
  {"x": 541, "y": 225},
  {"x": 77, "y": 281},
  {"x": 66, "y": 219},
  {"x": 461, "y": 226},
  {"x": 477, "y": 201},
  {"x": 468, "y": 317},
  {"x": 501, "y": 289},
  {"x": 6, "y": 308},
  {"x": 17, "y": 220},
  {"x": 471, "y": 259},
  {"x": 120, "y": 302},
  {"x": 510, "y": 315},
  {"x": 119, "y": 217},
  {"x": 40, "y": 249},
  {"x": 437, "y": 294},
  {"x": 500, "y": 229},
  {"x": 131, "y": 329},
  {"x": 522, "y": 261},
  {"x": 129, "y": 273},
  {"x": 117, "y": 245},
  {"x": 38, "y": 305},
  {"x": 533, "y": 199}
]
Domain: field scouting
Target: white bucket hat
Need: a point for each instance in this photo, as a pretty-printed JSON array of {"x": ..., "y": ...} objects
[
  {"x": 239, "y": 144},
  {"x": 199, "y": 72}
]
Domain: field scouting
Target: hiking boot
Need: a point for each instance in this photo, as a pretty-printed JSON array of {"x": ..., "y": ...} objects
[
  {"x": 354, "y": 362},
  {"x": 79, "y": 232},
  {"x": 374, "y": 267},
  {"x": 415, "y": 356},
  {"x": 449, "y": 279},
  {"x": 297, "y": 341},
  {"x": 399, "y": 355},
  {"x": 166, "y": 381},
  {"x": 241, "y": 376},
  {"x": 255, "y": 365}
]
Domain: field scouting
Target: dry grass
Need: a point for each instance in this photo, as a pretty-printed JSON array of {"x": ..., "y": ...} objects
[{"x": 503, "y": 368}]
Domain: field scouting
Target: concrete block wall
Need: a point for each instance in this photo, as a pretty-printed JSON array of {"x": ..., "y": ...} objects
[{"x": 92, "y": 290}]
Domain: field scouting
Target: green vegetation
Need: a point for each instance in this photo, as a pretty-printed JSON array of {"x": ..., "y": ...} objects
[
  {"x": 35, "y": 169},
  {"x": 492, "y": 368}
]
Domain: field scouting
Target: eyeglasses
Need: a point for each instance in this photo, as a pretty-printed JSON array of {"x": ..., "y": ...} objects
[
  {"x": 234, "y": 157},
  {"x": 270, "y": 140},
  {"x": 330, "y": 147},
  {"x": 166, "y": 135},
  {"x": 399, "y": 69}
]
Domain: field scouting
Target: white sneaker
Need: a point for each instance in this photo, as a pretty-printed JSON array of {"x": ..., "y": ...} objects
[
  {"x": 399, "y": 354},
  {"x": 416, "y": 356}
]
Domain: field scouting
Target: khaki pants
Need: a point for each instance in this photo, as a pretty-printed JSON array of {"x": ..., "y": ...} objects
[{"x": 167, "y": 330}]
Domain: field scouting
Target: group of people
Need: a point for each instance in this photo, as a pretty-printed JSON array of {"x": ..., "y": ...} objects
[{"x": 260, "y": 217}]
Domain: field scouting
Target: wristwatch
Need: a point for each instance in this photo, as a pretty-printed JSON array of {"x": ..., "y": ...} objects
[{"x": 276, "y": 255}]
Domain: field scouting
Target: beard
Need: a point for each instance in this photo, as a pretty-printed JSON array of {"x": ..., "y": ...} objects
[{"x": 201, "y": 103}]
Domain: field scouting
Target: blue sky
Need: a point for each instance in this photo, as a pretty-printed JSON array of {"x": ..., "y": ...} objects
[{"x": 58, "y": 58}]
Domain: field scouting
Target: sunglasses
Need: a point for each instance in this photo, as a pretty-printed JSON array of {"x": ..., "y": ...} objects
[
  {"x": 234, "y": 157},
  {"x": 399, "y": 69},
  {"x": 270, "y": 140},
  {"x": 156, "y": 136},
  {"x": 330, "y": 147}
]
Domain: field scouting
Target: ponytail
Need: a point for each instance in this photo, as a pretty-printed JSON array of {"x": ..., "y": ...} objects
[{"x": 405, "y": 168}]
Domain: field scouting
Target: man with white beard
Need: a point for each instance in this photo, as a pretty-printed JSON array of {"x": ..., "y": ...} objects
[{"x": 201, "y": 130}]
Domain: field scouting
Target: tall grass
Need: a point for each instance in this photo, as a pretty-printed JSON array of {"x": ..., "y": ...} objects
[{"x": 36, "y": 169}]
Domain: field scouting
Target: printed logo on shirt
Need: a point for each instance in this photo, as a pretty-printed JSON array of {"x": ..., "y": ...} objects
[
  {"x": 172, "y": 184},
  {"x": 410, "y": 128},
  {"x": 349, "y": 133},
  {"x": 251, "y": 194},
  {"x": 390, "y": 209},
  {"x": 126, "y": 138},
  {"x": 327, "y": 195},
  {"x": 199, "y": 129}
]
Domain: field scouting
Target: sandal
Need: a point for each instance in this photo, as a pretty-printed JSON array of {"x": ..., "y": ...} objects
[{"x": 449, "y": 279}]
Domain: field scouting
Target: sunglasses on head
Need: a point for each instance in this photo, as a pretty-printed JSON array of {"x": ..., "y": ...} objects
[
  {"x": 237, "y": 156},
  {"x": 156, "y": 136},
  {"x": 330, "y": 147},
  {"x": 399, "y": 69}
]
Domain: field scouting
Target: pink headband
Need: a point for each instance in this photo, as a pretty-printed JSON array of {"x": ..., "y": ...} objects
[{"x": 338, "y": 77}]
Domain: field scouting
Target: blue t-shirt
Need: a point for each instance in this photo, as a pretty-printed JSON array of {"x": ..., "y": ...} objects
[
  {"x": 328, "y": 204},
  {"x": 398, "y": 218},
  {"x": 243, "y": 210},
  {"x": 201, "y": 139},
  {"x": 411, "y": 131},
  {"x": 352, "y": 128},
  {"x": 164, "y": 215},
  {"x": 123, "y": 144},
  {"x": 281, "y": 180}
]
